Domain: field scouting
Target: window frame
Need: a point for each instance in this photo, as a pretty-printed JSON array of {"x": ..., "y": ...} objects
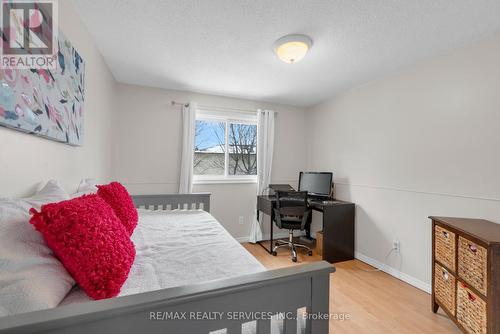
[{"x": 227, "y": 117}]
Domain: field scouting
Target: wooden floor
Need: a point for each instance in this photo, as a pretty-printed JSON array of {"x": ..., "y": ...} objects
[{"x": 375, "y": 301}]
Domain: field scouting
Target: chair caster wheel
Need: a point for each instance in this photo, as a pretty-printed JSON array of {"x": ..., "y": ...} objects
[
  {"x": 310, "y": 253},
  {"x": 294, "y": 259},
  {"x": 274, "y": 253}
]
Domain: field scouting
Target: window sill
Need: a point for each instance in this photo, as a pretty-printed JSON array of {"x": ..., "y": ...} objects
[{"x": 225, "y": 181}]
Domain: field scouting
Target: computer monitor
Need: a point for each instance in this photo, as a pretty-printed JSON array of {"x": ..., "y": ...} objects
[{"x": 316, "y": 183}]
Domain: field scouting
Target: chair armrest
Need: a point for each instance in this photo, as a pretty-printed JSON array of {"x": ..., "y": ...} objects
[
  {"x": 305, "y": 219},
  {"x": 277, "y": 218}
]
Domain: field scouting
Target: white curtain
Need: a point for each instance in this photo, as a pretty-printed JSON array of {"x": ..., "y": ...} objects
[
  {"x": 265, "y": 146},
  {"x": 188, "y": 130}
]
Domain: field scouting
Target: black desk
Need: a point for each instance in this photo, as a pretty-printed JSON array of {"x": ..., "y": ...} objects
[{"x": 338, "y": 226}]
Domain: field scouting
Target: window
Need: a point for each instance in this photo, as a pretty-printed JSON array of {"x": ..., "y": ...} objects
[{"x": 225, "y": 147}]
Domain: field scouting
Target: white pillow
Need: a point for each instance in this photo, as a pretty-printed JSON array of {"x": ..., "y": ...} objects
[
  {"x": 87, "y": 186},
  {"x": 31, "y": 277}
]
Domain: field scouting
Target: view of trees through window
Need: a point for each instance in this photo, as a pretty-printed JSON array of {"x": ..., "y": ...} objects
[{"x": 212, "y": 151}]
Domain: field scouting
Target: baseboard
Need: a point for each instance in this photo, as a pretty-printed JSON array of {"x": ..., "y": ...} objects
[
  {"x": 394, "y": 272},
  {"x": 278, "y": 235},
  {"x": 242, "y": 239}
]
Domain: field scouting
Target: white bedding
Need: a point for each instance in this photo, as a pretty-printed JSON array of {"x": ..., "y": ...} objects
[{"x": 180, "y": 247}]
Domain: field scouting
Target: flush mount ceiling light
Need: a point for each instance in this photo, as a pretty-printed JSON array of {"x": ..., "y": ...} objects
[{"x": 292, "y": 48}]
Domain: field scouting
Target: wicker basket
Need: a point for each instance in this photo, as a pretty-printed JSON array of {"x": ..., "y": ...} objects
[
  {"x": 472, "y": 264},
  {"x": 445, "y": 288},
  {"x": 445, "y": 247},
  {"x": 471, "y": 310}
]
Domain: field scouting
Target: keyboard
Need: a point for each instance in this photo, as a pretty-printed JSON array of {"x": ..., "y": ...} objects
[{"x": 321, "y": 202}]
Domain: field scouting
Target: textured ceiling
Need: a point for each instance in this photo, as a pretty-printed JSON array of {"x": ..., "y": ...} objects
[{"x": 224, "y": 47}]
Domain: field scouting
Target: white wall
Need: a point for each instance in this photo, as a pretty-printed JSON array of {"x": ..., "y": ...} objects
[
  {"x": 424, "y": 141},
  {"x": 25, "y": 159},
  {"x": 147, "y": 146}
]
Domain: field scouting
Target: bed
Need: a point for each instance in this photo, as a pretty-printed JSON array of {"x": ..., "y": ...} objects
[{"x": 190, "y": 276}]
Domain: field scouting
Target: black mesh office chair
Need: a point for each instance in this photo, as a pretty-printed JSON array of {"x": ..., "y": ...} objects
[{"x": 292, "y": 213}]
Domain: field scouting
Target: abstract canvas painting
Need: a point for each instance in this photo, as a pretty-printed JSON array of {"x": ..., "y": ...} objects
[{"x": 47, "y": 103}]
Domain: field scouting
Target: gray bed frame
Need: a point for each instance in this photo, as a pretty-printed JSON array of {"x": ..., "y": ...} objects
[{"x": 199, "y": 308}]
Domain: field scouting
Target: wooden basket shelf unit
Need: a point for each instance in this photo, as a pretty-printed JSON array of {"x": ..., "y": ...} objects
[{"x": 466, "y": 272}]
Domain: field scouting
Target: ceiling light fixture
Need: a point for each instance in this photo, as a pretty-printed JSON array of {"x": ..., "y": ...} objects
[{"x": 292, "y": 48}]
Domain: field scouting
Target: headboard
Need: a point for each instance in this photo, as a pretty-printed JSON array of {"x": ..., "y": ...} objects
[{"x": 173, "y": 201}]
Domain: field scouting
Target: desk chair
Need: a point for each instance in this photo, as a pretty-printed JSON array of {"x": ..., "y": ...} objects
[{"x": 292, "y": 213}]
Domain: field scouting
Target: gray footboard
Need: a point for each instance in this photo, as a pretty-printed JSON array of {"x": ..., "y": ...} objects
[{"x": 223, "y": 304}]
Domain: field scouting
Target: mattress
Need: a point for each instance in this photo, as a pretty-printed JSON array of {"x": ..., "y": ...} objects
[{"x": 180, "y": 247}]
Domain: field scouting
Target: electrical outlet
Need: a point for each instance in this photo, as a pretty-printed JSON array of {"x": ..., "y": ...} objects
[
  {"x": 241, "y": 220},
  {"x": 396, "y": 246}
]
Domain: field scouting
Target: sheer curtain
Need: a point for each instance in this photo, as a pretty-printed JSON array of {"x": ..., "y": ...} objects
[
  {"x": 265, "y": 146},
  {"x": 188, "y": 130}
]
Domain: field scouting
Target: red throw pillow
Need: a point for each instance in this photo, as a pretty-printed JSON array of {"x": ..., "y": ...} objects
[
  {"x": 119, "y": 199},
  {"x": 90, "y": 241}
]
